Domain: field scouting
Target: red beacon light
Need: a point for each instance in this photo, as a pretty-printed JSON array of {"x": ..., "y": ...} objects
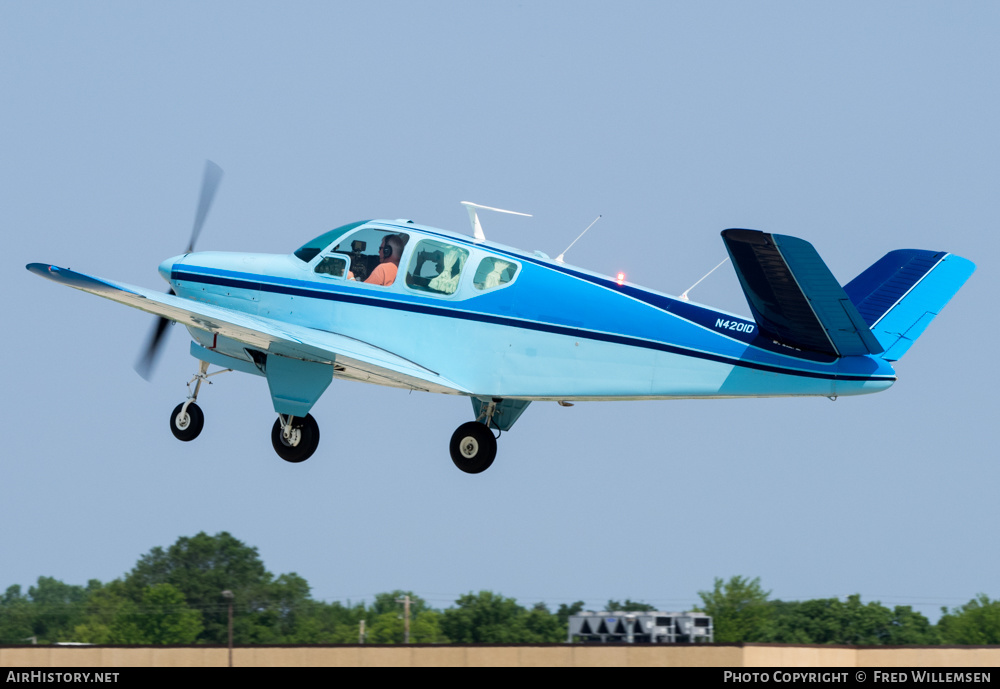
[{"x": 621, "y": 279}]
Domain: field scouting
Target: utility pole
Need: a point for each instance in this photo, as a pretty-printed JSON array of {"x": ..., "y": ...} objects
[
  {"x": 228, "y": 595},
  {"x": 405, "y": 600}
]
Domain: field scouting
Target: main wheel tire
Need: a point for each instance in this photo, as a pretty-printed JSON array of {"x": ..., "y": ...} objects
[
  {"x": 187, "y": 426},
  {"x": 473, "y": 447},
  {"x": 308, "y": 439}
]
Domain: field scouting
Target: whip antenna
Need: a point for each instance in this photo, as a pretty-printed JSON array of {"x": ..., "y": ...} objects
[
  {"x": 559, "y": 258},
  {"x": 685, "y": 295}
]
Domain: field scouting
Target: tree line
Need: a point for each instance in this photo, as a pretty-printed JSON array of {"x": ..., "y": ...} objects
[
  {"x": 742, "y": 611},
  {"x": 173, "y": 596}
]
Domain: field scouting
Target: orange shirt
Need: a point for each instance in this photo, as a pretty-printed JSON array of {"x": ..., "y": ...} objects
[{"x": 384, "y": 274}]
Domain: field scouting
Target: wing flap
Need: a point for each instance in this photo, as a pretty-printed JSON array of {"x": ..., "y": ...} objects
[
  {"x": 364, "y": 360},
  {"x": 794, "y": 297}
]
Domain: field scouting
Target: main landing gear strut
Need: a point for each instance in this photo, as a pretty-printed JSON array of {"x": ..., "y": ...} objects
[
  {"x": 473, "y": 446},
  {"x": 295, "y": 439}
]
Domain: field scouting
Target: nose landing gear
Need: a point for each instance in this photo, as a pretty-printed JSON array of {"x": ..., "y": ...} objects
[
  {"x": 186, "y": 421},
  {"x": 187, "y": 418}
]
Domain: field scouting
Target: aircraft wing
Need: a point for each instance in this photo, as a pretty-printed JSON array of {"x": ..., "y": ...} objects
[{"x": 360, "y": 360}]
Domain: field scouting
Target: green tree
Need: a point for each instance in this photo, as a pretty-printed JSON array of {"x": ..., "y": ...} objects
[
  {"x": 739, "y": 610},
  {"x": 109, "y": 618},
  {"x": 910, "y": 627},
  {"x": 284, "y": 606},
  {"x": 544, "y": 627},
  {"x": 387, "y": 626},
  {"x": 832, "y": 621},
  {"x": 390, "y": 603},
  {"x": 165, "y": 618},
  {"x": 56, "y": 607},
  {"x": 802, "y": 622},
  {"x": 864, "y": 625},
  {"x": 47, "y": 613},
  {"x": 482, "y": 618},
  {"x": 326, "y": 623},
  {"x": 976, "y": 623},
  {"x": 16, "y": 617},
  {"x": 161, "y": 616},
  {"x": 203, "y": 566},
  {"x": 489, "y": 618}
]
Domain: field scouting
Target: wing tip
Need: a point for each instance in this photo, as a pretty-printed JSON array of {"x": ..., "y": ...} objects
[{"x": 41, "y": 268}]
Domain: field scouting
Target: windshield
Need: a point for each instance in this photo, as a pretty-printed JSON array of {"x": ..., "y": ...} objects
[{"x": 310, "y": 249}]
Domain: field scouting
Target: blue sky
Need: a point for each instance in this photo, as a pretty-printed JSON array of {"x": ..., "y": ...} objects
[{"x": 860, "y": 127}]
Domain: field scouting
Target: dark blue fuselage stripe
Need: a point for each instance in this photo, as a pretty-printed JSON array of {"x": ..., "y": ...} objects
[
  {"x": 242, "y": 283},
  {"x": 699, "y": 315}
]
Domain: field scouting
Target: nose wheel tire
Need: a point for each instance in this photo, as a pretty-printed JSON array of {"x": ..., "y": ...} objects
[
  {"x": 473, "y": 447},
  {"x": 302, "y": 441},
  {"x": 187, "y": 425}
]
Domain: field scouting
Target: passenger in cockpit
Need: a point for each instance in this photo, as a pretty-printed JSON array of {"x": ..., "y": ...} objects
[{"x": 389, "y": 253}]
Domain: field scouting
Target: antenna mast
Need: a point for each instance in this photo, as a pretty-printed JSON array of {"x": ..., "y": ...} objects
[
  {"x": 685, "y": 295},
  {"x": 559, "y": 258}
]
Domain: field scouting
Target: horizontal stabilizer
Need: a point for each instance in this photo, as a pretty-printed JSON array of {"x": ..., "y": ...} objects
[
  {"x": 794, "y": 297},
  {"x": 901, "y": 293}
]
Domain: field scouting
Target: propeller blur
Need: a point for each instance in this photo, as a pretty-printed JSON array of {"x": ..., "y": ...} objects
[{"x": 209, "y": 185}]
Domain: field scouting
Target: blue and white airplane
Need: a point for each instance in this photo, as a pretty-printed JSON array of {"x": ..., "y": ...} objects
[{"x": 466, "y": 316}]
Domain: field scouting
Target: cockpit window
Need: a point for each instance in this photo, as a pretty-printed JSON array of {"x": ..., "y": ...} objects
[
  {"x": 334, "y": 266},
  {"x": 436, "y": 267},
  {"x": 362, "y": 251},
  {"x": 493, "y": 272},
  {"x": 310, "y": 249}
]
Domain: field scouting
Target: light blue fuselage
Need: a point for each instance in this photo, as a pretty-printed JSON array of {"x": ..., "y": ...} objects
[{"x": 555, "y": 332}]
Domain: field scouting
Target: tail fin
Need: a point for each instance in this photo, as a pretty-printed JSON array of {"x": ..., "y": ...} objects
[
  {"x": 901, "y": 293},
  {"x": 794, "y": 297}
]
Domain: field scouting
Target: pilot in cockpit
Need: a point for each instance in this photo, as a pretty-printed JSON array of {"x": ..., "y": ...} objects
[{"x": 389, "y": 253}]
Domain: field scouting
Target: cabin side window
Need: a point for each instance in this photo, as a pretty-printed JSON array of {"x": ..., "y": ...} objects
[
  {"x": 494, "y": 272},
  {"x": 436, "y": 267}
]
